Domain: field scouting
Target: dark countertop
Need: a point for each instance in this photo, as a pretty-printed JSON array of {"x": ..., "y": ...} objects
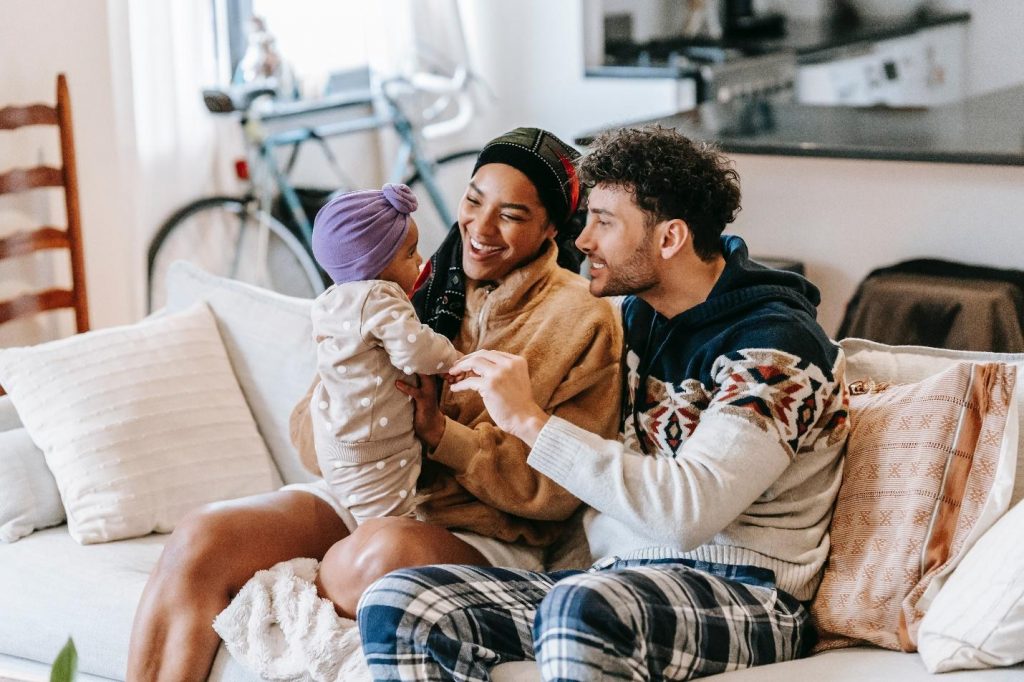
[
  {"x": 809, "y": 40},
  {"x": 984, "y": 130}
]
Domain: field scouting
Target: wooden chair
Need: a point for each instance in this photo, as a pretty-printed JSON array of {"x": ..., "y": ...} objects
[{"x": 47, "y": 237}]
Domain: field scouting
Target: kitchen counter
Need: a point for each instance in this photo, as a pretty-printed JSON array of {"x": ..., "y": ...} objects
[
  {"x": 984, "y": 130},
  {"x": 809, "y": 40}
]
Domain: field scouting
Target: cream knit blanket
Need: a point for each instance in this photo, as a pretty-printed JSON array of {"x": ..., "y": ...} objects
[{"x": 281, "y": 629}]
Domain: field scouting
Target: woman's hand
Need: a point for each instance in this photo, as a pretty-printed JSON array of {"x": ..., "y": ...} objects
[
  {"x": 428, "y": 421},
  {"x": 503, "y": 381}
]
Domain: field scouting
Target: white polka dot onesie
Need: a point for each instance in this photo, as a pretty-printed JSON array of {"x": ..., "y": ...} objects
[{"x": 368, "y": 336}]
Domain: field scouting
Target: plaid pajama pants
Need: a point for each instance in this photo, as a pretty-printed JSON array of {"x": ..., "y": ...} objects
[{"x": 638, "y": 619}]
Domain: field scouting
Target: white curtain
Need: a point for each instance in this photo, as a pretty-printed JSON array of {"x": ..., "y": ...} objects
[{"x": 182, "y": 151}]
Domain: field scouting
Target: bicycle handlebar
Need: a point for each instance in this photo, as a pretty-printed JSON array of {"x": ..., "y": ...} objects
[
  {"x": 446, "y": 86},
  {"x": 465, "y": 109},
  {"x": 242, "y": 98}
]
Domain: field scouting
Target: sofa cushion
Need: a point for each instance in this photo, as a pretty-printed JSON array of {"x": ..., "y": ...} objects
[
  {"x": 929, "y": 466},
  {"x": 977, "y": 619},
  {"x": 51, "y": 587},
  {"x": 29, "y": 498},
  {"x": 860, "y": 664},
  {"x": 269, "y": 339},
  {"x": 139, "y": 424}
]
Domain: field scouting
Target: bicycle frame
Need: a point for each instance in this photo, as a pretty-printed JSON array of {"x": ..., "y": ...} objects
[{"x": 409, "y": 154}]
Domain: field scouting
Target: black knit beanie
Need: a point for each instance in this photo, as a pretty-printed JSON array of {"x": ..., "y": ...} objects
[
  {"x": 546, "y": 161},
  {"x": 440, "y": 301}
]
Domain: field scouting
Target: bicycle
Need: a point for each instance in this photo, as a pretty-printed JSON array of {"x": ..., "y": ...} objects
[{"x": 239, "y": 238}]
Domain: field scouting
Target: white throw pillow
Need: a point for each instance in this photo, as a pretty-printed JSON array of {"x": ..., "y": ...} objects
[
  {"x": 977, "y": 619},
  {"x": 139, "y": 424},
  {"x": 9, "y": 418},
  {"x": 269, "y": 339},
  {"x": 29, "y": 499}
]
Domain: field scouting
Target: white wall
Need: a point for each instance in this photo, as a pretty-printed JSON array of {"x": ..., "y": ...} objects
[
  {"x": 530, "y": 52},
  {"x": 995, "y": 45},
  {"x": 38, "y": 39}
]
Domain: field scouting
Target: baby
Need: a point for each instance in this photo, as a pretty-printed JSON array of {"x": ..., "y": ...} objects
[{"x": 368, "y": 336}]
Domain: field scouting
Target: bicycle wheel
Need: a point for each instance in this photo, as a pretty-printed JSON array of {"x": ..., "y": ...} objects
[
  {"x": 452, "y": 173},
  {"x": 222, "y": 235}
]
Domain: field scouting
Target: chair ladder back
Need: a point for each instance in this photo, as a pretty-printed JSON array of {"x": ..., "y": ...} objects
[
  {"x": 70, "y": 169},
  {"x": 47, "y": 237}
]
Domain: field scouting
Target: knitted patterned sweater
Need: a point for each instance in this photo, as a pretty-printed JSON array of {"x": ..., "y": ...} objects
[{"x": 733, "y": 426}]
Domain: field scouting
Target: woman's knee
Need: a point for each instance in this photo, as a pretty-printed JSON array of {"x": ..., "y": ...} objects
[
  {"x": 379, "y": 546},
  {"x": 375, "y": 548},
  {"x": 227, "y": 542},
  {"x": 197, "y": 551}
]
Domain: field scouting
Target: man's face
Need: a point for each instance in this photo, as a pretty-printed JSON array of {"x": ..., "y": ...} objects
[{"x": 620, "y": 246}]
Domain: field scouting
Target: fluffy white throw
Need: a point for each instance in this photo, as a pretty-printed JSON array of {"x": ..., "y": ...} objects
[{"x": 280, "y": 628}]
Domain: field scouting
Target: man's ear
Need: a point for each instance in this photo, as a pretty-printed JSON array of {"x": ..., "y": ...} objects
[{"x": 675, "y": 235}]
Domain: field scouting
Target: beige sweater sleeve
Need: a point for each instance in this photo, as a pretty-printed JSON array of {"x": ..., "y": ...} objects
[
  {"x": 300, "y": 427},
  {"x": 491, "y": 464}
]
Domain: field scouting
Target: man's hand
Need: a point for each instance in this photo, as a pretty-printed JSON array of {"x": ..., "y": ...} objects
[
  {"x": 428, "y": 422},
  {"x": 503, "y": 381}
]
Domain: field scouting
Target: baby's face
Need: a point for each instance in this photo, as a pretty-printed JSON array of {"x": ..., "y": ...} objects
[{"x": 404, "y": 268}]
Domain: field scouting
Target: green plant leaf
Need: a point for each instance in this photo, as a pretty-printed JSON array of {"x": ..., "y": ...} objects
[{"x": 66, "y": 665}]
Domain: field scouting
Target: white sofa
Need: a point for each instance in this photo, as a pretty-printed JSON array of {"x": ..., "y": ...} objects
[{"x": 51, "y": 587}]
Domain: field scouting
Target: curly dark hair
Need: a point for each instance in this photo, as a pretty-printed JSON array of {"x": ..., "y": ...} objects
[{"x": 669, "y": 176}]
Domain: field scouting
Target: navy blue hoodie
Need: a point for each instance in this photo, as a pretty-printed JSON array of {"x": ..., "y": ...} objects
[{"x": 750, "y": 307}]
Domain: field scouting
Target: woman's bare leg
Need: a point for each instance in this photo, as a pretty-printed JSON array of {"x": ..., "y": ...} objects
[
  {"x": 380, "y": 546},
  {"x": 208, "y": 558}
]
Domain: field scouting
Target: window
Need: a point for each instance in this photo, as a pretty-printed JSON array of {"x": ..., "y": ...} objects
[{"x": 320, "y": 42}]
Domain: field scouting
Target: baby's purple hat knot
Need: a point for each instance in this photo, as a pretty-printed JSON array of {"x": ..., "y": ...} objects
[
  {"x": 357, "y": 234},
  {"x": 401, "y": 197}
]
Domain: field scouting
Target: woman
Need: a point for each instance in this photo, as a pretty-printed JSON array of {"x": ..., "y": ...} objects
[{"x": 494, "y": 283}]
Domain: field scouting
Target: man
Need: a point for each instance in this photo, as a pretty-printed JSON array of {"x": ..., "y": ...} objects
[{"x": 711, "y": 514}]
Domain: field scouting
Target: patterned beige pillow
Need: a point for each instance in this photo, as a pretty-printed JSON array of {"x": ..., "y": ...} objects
[{"x": 921, "y": 462}]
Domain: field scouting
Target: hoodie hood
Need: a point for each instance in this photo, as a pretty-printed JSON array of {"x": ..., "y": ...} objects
[{"x": 746, "y": 284}]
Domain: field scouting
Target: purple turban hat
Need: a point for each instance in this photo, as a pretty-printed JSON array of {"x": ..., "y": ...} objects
[{"x": 356, "y": 235}]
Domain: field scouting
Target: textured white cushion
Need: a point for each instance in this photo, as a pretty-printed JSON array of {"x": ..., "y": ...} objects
[
  {"x": 28, "y": 493},
  {"x": 977, "y": 619},
  {"x": 9, "y": 418},
  {"x": 52, "y": 588},
  {"x": 269, "y": 339},
  {"x": 139, "y": 424}
]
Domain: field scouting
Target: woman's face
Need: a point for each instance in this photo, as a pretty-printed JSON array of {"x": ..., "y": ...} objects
[{"x": 503, "y": 222}]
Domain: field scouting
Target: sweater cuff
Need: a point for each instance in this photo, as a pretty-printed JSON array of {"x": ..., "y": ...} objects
[
  {"x": 457, "y": 446},
  {"x": 556, "y": 449}
]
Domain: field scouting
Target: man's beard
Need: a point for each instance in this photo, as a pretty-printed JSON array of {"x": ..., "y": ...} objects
[{"x": 635, "y": 276}]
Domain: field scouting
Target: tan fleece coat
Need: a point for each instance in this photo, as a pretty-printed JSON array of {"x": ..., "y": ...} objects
[{"x": 479, "y": 480}]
